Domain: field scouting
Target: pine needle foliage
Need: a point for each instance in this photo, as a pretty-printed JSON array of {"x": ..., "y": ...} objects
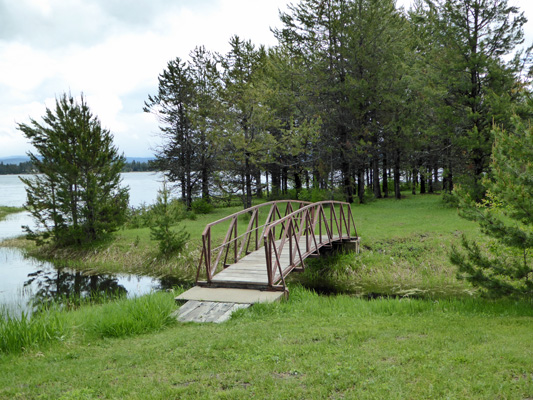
[
  {"x": 76, "y": 197},
  {"x": 171, "y": 241},
  {"x": 506, "y": 216}
]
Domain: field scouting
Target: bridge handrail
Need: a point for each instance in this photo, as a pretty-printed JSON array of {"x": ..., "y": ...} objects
[
  {"x": 304, "y": 221},
  {"x": 232, "y": 236}
]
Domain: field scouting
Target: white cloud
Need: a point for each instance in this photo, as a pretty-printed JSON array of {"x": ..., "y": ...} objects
[{"x": 113, "y": 52}]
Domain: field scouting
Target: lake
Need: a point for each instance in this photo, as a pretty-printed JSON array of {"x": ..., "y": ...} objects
[
  {"x": 25, "y": 281},
  {"x": 143, "y": 188}
]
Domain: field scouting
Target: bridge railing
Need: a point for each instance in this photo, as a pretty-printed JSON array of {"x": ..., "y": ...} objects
[
  {"x": 240, "y": 238},
  {"x": 302, "y": 233}
]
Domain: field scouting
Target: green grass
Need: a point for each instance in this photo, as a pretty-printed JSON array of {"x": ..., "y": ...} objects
[
  {"x": 311, "y": 347},
  {"x": 127, "y": 317},
  {"x": 28, "y": 332},
  {"x": 5, "y": 211},
  {"x": 114, "y": 319},
  {"x": 405, "y": 247}
]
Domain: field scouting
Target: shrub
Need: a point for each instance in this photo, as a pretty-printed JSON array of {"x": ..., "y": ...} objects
[
  {"x": 171, "y": 240},
  {"x": 201, "y": 207}
]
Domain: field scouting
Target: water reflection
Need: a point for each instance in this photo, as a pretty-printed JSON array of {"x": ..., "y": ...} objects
[
  {"x": 25, "y": 281},
  {"x": 70, "y": 287}
]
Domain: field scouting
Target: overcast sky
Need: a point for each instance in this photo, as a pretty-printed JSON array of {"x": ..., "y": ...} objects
[{"x": 113, "y": 52}]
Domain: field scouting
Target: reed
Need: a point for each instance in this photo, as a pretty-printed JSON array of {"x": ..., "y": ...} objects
[{"x": 31, "y": 331}]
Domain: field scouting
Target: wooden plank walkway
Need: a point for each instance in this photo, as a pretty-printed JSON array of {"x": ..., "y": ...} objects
[{"x": 252, "y": 268}]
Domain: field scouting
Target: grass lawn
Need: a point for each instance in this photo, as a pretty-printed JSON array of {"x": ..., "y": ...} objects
[{"x": 311, "y": 347}]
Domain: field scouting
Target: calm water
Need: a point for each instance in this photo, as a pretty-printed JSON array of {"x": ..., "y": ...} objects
[
  {"x": 143, "y": 188},
  {"x": 25, "y": 281}
]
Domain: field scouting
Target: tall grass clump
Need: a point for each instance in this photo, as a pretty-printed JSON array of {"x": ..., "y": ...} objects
[
  {"x": 28, "y": 331},
  {"x": 128, "y": 317}
]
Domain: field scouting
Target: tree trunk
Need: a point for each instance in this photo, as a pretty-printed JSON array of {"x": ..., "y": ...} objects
[
  {"x": 414, "y": 181},
  {"x": 284, "y": 179},
  {"x": 266, "y": 183},
  {"x": 297, "y": 180},
  {"x": 430, "y": 180},
  {"x": 422, "y": 181},
  {"x": 385, "y": 177},
  {"x": 276, "y": 180},
  {"x": 375, "y": 177},
  {"x": 205, "y": 183},
  {"x": 397, "y": 193},
  {"x": 258, "y": 185},
  {"x": 361, "y": 184}
]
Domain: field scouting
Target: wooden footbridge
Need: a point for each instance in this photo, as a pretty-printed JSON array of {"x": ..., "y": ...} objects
[{"x": 261, "y": 246}]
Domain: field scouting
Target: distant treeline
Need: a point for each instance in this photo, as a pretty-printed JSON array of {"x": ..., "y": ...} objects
[
  {"x": 27, "y": 167},
  {"x": 138, "y": 166},
  {"x": 21, "y": 168}
]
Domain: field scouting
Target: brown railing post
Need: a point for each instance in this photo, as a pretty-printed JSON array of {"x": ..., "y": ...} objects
[
  {"x": 235, "y": 232},
  {"x": 257, "y": 230},
  {"x": 290, "y": 242},
  {"x": 208, "y": 256}
]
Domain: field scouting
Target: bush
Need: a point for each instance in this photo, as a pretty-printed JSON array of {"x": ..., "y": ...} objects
[
  {"x": 171, "y": 241},
  {"x": 201, "y": 207}
]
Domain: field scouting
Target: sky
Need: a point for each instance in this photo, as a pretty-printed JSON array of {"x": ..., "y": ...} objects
[{"x": 112, "y": 51}]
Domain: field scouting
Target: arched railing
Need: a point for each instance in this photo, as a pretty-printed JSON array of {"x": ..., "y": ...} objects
[
  {"x": 239, "y": 242},
  {"x": 290, "y": 240}
]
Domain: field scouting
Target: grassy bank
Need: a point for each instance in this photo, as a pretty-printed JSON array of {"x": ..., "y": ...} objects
[
  {"x": 311, "y": 347},
  {"x": 95, "y": 319},
  {"x": 405, "y": 246},
  {"x": 5, "y": 211}
]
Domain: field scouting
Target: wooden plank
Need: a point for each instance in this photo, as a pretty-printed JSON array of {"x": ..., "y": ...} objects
[
  {"x": 241, "y": 280},
  {"x": 226, "y": 295},
  {"x": 202, "y": 311},
  {"x": 244, "y": 272}
]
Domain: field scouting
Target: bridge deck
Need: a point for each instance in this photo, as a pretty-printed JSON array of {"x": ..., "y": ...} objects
[{"x": 252, "y": 268}]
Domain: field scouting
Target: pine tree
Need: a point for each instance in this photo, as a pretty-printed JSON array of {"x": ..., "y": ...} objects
[
  {"x": 474, "y": 37},
  {"x": 189, "y": 112},
  {"x": 506, "y": 216},
  {"x": 170, "y": 241},
  {"x": 76, "y": 196}
]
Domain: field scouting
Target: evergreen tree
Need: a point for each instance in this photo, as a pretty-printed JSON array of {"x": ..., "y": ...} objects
[
  {"x": 472, "y": 37},
  {"x": 351, "y": 51},
  {"x": 247, "y": 117},
  {"x": 76, "y": 196},
  {"x": 189, "y": 112},
  {"x": 171, "y": 241},
  {"x": 506, "y": 216}
]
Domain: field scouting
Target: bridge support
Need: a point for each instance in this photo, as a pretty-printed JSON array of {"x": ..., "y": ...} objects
[
  {"x": 350, "y": 245},
  {"x": 217, "y": 304}
]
